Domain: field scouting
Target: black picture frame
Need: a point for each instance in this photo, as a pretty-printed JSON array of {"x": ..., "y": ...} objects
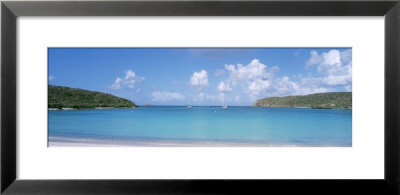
[{"x": 11, "y": 10}]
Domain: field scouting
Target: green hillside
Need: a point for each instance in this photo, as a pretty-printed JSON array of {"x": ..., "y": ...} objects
[
  {"x": 341, "y": 100},
  {"x": 65, "y": 97}
]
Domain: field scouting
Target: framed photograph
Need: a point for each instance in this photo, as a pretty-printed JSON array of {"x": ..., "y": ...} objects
[
  {"x": 190, "y": 97},
  {"x": 199, "y": 97}
]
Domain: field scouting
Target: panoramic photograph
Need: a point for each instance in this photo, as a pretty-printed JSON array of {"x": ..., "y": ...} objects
[{"x": 200, "y": 97}]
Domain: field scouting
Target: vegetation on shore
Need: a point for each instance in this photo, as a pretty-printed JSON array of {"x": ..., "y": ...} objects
[
  {"x": 65, "y": 97},
  {"x": 331, "y": 100}
]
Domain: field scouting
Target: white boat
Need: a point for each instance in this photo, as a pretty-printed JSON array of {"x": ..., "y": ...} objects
[
  {"x": 223, "y": 106},
  {"x": 188, "y": 106}
]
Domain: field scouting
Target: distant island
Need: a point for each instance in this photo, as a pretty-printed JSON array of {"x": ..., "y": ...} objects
[
  {"x": 331, "y": 100},
  {"x": 66, "y": 98}
]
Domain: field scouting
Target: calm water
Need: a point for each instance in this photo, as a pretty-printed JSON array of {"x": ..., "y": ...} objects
[{"x": 279, "y": 126}]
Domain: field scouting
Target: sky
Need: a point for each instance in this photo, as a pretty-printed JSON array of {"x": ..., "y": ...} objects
[{"x": 202, "y": 76}]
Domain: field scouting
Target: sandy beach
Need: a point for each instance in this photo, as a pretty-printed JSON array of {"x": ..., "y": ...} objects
[{"x": 91, "y": 142}]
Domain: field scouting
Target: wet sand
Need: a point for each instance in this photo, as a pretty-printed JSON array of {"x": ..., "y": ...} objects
[{"x": 92, "y": 142}]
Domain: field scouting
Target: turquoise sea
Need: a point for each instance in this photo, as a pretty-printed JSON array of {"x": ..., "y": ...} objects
[{"x": 175, "y": 124}]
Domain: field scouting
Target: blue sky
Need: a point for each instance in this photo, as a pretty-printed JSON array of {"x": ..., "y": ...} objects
[{"x": 205, "y": 76}]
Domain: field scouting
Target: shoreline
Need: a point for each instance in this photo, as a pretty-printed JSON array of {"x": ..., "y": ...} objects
[
  {"x": 94, "y": 142},
  {"x": 113, "y": 108}
]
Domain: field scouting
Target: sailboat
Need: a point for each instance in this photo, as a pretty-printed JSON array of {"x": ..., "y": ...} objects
[
  {"x": 188, "y": 106},
  {"x": 223, "y": 106}
]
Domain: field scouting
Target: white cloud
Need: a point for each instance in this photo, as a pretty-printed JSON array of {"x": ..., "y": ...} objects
[
  {"x": 224, "y": 87},
  {"x": 335, "y": 66},
  {"x": 255, "y": 76},
  {"x": 252, "y": 71},
  {"x": 51, "y": 78},
  {"x": 314, "y": 59},
  {"x": 131, "y": 80},
  {"x": 334, "y": 71},
  {"x": 258, "y": 87},
  {"x": 199, "y": 79},
  {"x": 129, "y": 74},
  {"x": 116, "y": 84},
  {"x": 285, "y": 86},
  {"x": 166, "y": 96}
]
